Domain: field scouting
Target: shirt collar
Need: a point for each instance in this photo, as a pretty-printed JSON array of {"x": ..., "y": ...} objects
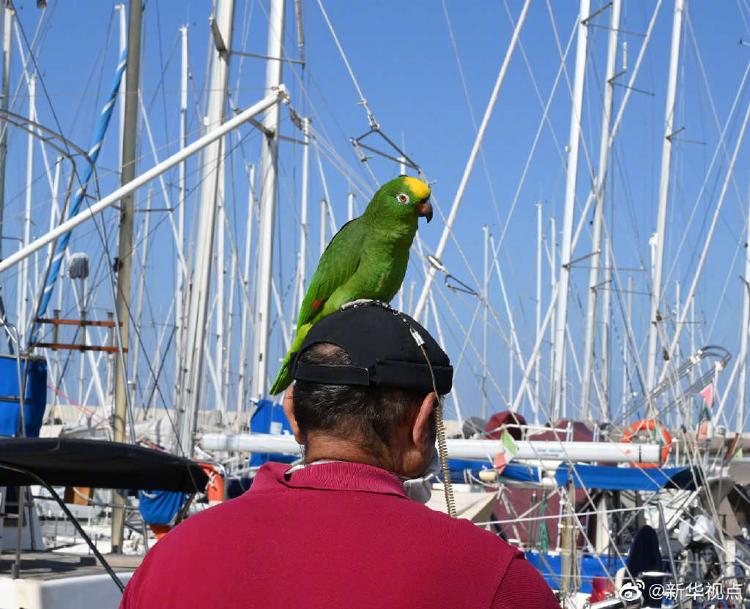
[{"x": 329, "y": 476}]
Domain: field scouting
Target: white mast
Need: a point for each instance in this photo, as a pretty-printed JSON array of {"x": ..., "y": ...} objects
[
  {"x": 179, "y": 314},
  {"x": 123, "y": 81},
  {"x": 23, "y": 286},
  {"x": 4, "y": 101},
  {"x": 537, "y": 370},
  {"x": 553, "y": 289},
  {"x": 743, "y": 336},
  {"x": 599, "y": 190},
  {"x": 268, "y": 177},
  {"x": 350, "y": 206},
  {"x": 661, "y": 218},
  {"x": 626, "y": 393},
  {"x": 302, "y": 267},
  {"x": 323, "y": 223},
  {"x": 561, "y": 319},
  {"x": 201, "y": 281},
  {"x": 139, "y": 299},
  {"x": 485, "y": 298},
  {"x": 225, "y": 383},
  {"x": 251, "y": 205},
  {"x": 606, "y": 287}
]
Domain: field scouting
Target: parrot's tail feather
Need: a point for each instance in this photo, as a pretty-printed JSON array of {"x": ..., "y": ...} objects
[{"x": 283, "y": 378}]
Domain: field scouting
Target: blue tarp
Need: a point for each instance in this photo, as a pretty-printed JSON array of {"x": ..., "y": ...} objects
[
  {"x": 35, "y": 400},
  {"x": 269, "y": 418},
  {"x": 590, "y": 476},
  {"x": 160, "y": 507},
  {"x": 625, "y": 478},
  {"x": 589, "y": 567}
]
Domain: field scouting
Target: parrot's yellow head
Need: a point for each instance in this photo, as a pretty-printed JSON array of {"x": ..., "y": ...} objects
[
  {"x": 404, "y": 199},
  {"x": 418, "y": 188}
]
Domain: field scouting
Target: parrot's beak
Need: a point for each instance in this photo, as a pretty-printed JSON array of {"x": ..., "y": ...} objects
[{"x": 424, "y": 210}]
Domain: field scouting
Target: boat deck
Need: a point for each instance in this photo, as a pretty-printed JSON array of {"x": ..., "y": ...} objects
[{"x": 52, "y": 565}]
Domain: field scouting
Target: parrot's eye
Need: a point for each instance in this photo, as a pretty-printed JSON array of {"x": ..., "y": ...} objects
[{"x": 403, "y": 198}]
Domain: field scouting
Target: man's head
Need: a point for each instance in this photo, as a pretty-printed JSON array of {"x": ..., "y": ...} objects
[{"x": 365, "y": 389}]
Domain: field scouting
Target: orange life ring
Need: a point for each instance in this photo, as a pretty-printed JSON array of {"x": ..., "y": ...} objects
[
  {"x": 215, "y": 487},
  {"x": 650, "y": 425}
]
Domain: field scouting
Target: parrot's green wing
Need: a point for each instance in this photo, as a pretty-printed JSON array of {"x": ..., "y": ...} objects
[{"x": 337, "y": 264}]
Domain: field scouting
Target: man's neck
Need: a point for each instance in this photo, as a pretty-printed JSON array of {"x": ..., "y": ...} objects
[{"x": 326, "y": 448}]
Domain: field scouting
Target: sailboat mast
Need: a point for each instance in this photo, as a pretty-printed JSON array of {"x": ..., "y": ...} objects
[
  {"x": 124, "y": 251},
  {"x": 743, "y": 336},
  {"x": 538, "y": 308},
  {"x": 4, "y": 101},
  {"x": 23, "y": 287},
  {"x": 599, "y": 186},
  {"x": 194, "y": 348},
  {"x": 661, "y": 218},
  {"x": 251, "y": 213},
  {"x": 302, "y": 268},
  {"x": 268, "y": 177},
  {"x": 180, "y": 288},
  {"x": 561, "y": 313}
]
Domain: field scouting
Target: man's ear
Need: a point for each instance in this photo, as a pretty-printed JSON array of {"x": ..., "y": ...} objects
[
  {"x": 421, "y": 429},
  {"x": 288, "y": 405}
]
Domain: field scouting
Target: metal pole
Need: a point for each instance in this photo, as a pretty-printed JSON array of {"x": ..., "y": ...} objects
[
  {"x": 23, "y": 286},
  {"x": 303, "y": 214},
  {"x": 124, "y": 252},
  {"x": 661, "y": 218},
  {"x": 201, "y": 280},
  {"x": 745, "y": 328},
  {"x": 599, "y": 193},
  {"x": 123, "y": 21},
  {"x": 251, "y": 205},
  {"x": 538, "y": 324},
  {"x": 553, "y": 290},
  {"x": 607, "y": 291},
  {"x": 419, "y": 309},
  {"x": 626, "y": 345},
  {"x": 561, "y": 318},
  {"x": 323, "y": 223},
  {"x": 158, "y": 169},
  {"x": 4, "y": 102},
  {"x": 350, "y": 206},
  {"x": 139, "y": 303},
  {"x": 228, "y": 324},
  {"x": 268, "y": 176},
  {"x": 182, "y": 186},
  {"x": 485, "y": 312}
]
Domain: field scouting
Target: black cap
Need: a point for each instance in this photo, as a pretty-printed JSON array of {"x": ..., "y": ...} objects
[{"x": 384, "y": 346}]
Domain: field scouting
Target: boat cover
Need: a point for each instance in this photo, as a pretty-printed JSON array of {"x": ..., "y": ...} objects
[
  {"x": 601, "y": 477},
  {"x": 98, "y": 464},
  {"x": 35, "y": 400},
  {"x": 269, "y": 418},
  {"x": 160, "y": 507}
]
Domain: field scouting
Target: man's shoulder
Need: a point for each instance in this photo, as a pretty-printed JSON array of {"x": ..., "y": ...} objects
[{"x": 460, "y": 532}]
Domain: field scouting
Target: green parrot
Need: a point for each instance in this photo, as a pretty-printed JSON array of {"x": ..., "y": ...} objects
[{"x": 367, "y": 258}]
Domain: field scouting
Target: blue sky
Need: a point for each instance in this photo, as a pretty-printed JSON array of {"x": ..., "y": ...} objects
[{"x": 404, "y": 60}]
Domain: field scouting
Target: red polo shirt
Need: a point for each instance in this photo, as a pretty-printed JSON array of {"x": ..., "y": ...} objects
[{"x": 329, "y": 536}]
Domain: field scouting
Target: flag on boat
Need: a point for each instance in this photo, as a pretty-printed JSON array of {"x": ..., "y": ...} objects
[
  {"x": 707, "y": 393},
  {"x": 505, "y": 456},
  {"x": 705, "y": 428}
]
